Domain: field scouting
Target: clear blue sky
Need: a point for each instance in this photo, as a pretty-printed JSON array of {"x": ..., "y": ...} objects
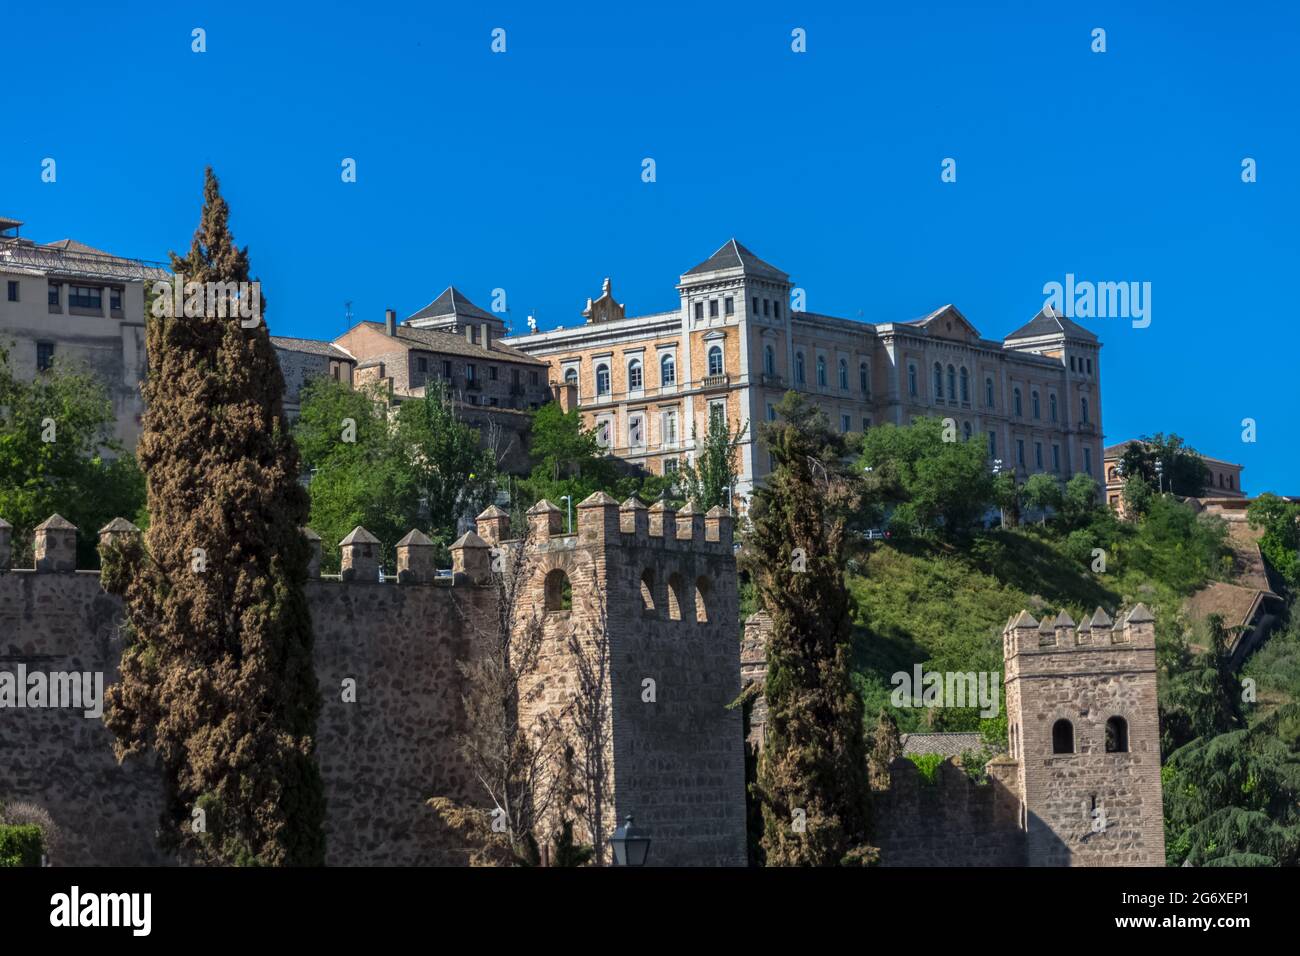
[{"x": 523, "y": 170}]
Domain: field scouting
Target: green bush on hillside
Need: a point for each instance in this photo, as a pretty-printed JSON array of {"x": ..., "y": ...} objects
[{"x": 20, "y": 845}]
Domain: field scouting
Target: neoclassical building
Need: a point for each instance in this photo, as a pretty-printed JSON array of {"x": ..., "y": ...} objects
[{"x": 733, "y": 346}]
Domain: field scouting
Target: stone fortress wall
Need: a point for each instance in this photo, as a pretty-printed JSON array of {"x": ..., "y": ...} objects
[
  {"x": 1079, "y": 784},
  {"x": 677, "y": 762}
]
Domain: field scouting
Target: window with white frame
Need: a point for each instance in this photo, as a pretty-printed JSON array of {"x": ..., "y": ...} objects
[
  {"x": 668, "y": 427},
  {"x": 715, "y": 360},
  {"x": 636, "y": 430},
  {"x": 667, "y": 369},
  {"x": 634, "y": 375},
  {"x": 602, "y": 379}
]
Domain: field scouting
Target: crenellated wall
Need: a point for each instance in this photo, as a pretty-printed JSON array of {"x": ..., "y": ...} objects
[{"x": 676, "y": 760}]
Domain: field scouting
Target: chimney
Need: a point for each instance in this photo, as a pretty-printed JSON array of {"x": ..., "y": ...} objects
[
  {"x": 469, "y": 332},
  {"x": 487, "y": 336},
  {"x": 390, "y": 322}
]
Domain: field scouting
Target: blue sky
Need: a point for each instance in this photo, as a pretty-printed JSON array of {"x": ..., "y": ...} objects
[{"x": 522, "y": 170}]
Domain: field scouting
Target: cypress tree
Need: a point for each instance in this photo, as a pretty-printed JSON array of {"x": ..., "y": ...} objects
[
  {"x": 812, "y": 774},
  {"x": 217, "y": 677}
]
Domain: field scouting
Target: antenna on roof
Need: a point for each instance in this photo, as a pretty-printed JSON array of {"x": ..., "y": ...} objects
[{"x": 347, "y": 311}]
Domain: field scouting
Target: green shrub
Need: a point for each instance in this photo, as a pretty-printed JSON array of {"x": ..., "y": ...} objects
[
  {"x": 20, "y": 845},
  {"x": 927, "y": 766}
]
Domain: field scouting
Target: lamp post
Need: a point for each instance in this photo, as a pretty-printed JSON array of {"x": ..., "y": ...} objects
[
  {"x": 568, "y": 509},
  {"x": 631, "y": 844}
]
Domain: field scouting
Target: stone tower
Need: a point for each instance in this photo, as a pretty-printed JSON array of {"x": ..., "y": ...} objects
[{"x": 1084, "y": 729}]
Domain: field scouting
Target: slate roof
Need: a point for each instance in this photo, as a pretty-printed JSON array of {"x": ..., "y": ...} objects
[
  {"x": 453, "y": 302},
  {"x": 1051, "y": 322},
  {"x": 733, "y": 255},
  {"x": 950, "y": 745}
]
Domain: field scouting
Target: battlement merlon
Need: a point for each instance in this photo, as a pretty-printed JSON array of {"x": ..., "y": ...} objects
[{"x": 1023, "y": 635}]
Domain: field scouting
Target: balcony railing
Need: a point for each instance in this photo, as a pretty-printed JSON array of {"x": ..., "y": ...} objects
[{"x": 716, "y": 381}]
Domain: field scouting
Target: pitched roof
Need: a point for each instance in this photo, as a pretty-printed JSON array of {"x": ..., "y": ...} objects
[
  {"x": 1050, "y": 322},
  {"x": 453, "y": 302},
  {"x": 453, "y": 343},
  {"x": 310, "y": 346},
  {"x": 950, "y": 745},
  {"x": 733, "y": 255}
]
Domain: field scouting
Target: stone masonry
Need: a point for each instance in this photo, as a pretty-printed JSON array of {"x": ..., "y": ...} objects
[
  {"x": 1080, "y": 782},
  {"x": 384, "y": 750}
]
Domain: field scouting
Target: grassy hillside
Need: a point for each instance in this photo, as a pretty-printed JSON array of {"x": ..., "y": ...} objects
[{"x": 944, "y": 605}]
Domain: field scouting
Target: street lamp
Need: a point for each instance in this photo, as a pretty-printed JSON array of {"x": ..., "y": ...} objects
[
  {"x": 631, "y": 844},
  {"x": 1002, "y": 513},
  {"x": 568, "y": 509}
]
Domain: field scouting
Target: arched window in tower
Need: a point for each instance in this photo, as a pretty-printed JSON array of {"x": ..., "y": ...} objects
[
  {"x": 821, "y": 371},
  {"x": 864, "y": 379},
  {"x": 965, "y": 386},
  {"x": 558, "y": 594},
  {"x": 1117, "y": 736},
  {"x": 798, "y": 368},
  {"x": 634, "y": 375},
  {"x": 1015, "y": 398},
  {"x": 702, "y": 600},
  {"x": 1062, "y": 737},
  {"x": 952, "y": 384},
  {"x": 938, "y": 382},
  {"x": 769, "y": 360},
  {"x": 988, "y": 392},
  {"x": 676, "y": 590},
  {"x": 1034, "y": 404},
  {"x": 668, "y": 369},
  {"x": 647, "y": 592},
  {"x": 715, "y": 359},
  {"x": 602, "y": 379},
  {"x": 1083, "y": 409},
  {"x": 1051, "y": 406},
  {"x": 844, "y": 374}
]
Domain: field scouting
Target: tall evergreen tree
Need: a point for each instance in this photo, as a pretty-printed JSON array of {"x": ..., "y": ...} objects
[
  {"x": 812, "y": 774},
  {"x": 217, "y": 677}
]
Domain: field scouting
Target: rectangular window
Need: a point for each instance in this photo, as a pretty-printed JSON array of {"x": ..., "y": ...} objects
[
  {"x": 446, "y": 369},
  {"x": 471, "y": 373},
  {"x": 729, "y": 305},
  {"x": 1087, "y": 460},
  {"x": 776, "y": 309},
  {"x": 866, "y": 423},
  {"x": 492, "y": 372},
  {"x": 54, "y": 294},
  {"x": 422, "y": 364},
  {"x": 473, "y": 399},
  {"x": 718, "y": 411},
  {"x": 699, "y": 310},
  {"x": 115, "y": 300},
  {"x": 670, "y": 466},
  {"x": 993, "y": 444},
  {"x": 13, "y": 291},
  {"x": 713, "y": 308},
  {"x": 1072, "y": 368},
  {"x": 44, "y": 355},
  {"x": 532, "y": 378},
  {"x": 86, "y": 297},
  {"x": 1038, "y": 455},
  {"x": 473, "y": 334},
  {"x": 668, "y": 425},
  {"x": 635, "y": 431},
  {"x": 1056, "y": 458},
  {"x": 771, "y": 412},
  {"x": 492, "y": 402},
  {"x": 756, "y": 305},
  {"x": 846, "y": 423},
  {"x": 1089, "y": 366},
  {"x": 767, "y": 306},
  {"x": 1020, "y": 452}
]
